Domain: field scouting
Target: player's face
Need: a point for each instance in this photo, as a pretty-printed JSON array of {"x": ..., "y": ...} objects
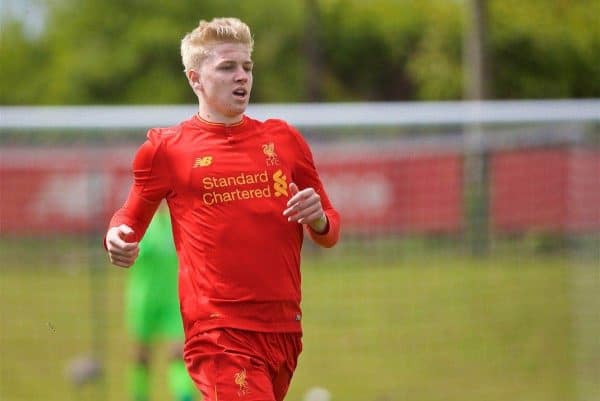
[{"x": 225, "y": 79}]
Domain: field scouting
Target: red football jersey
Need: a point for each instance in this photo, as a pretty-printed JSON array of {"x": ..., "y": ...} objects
[{"x": 227, "y": 188}]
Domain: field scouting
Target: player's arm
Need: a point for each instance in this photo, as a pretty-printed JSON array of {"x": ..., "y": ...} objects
[
  {"x": 128, "y": 225},
  {"x": 309, "y": 203}
]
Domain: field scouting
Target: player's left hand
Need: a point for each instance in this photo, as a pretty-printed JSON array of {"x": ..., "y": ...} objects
[{"x": 305, "y": 207}]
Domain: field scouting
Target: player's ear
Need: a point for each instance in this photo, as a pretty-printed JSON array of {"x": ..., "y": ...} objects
[{"x": 194, "y": 79}]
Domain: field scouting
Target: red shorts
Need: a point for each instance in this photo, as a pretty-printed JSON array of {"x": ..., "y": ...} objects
[{"x": 230, "y": 364}]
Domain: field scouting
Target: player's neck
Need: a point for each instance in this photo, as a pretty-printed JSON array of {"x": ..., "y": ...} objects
[{"x": 216, "y": 118}]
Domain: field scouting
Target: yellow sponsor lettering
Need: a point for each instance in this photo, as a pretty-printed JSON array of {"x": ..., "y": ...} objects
[
  {"x": 230, "y": 188},
  {"x": 221, "y": 182},
  {"x": 208, "y": 199},
  {"x": 266, "y": 192},
  {"x": 263, "y": 177},
  {"x": 212, "y": 198},
  {"x": 235, "y": 180},
  {"x": 280, "y": 183},
  {"x": 208, "y": 183}
]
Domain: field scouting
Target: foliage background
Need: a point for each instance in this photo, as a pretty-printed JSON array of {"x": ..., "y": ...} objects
[{"x": 127, "y": 51}]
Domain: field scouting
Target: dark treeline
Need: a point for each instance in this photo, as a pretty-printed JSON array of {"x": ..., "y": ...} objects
[{"x": 127, "y": 51}]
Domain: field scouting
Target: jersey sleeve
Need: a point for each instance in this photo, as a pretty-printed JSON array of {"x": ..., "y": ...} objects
[
  {"x": 305, "y": 176},
  {"x": 151, "y": 184}
]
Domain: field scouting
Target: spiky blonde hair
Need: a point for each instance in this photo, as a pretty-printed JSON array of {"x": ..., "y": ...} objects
[{"x": 196, "y": 45}]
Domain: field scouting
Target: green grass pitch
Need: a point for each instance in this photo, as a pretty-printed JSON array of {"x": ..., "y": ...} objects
[{"x": 427, "y": 326}]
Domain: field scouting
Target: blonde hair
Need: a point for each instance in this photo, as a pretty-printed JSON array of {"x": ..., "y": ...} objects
[{"x": 196, "y": 45}]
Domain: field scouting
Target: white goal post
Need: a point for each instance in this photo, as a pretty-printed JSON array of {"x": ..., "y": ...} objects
[{"x": 313, "y": 114}]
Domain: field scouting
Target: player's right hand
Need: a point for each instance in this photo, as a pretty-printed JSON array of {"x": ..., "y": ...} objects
[{"x": 120, "y": 251}]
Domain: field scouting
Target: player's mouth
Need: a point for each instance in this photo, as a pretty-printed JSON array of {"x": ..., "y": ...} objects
[{"x": 240, "y": 93}]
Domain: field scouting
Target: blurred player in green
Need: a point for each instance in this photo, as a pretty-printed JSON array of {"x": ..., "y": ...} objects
[{"x": 153, "y": 312}]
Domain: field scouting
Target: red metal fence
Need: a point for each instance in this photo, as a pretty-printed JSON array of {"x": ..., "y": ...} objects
[{"x": 74, "y": 190}]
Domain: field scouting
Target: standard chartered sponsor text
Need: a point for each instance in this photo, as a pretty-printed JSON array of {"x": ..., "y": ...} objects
[
  {"x": 240, "y": 179},
  {"x": 233, "y": 188}
]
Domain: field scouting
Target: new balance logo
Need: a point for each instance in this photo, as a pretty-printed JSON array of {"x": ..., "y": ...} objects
[{"x": 203, "y": 161}]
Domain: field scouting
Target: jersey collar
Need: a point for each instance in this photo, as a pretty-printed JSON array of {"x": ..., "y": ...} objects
[{"x": 220, "y": 127}]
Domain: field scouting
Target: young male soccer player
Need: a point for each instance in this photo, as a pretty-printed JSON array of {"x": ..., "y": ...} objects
[
  {"x": 241, "y": 193},
  {"x": 152, "y": 312}
]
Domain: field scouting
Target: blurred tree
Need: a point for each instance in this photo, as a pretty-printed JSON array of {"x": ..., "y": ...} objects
[
  {"x": 367, "y": 45},
  {"x": 313, "y": 50},
  {"x": 23, "y": 65},
  {"x": 127, "y": 51},
  {"x": 435, "y": 67},
  {"x": 545, "y": 49},
  {"x": 117, "y": 51},
  {"x": 278, "y": 56}
]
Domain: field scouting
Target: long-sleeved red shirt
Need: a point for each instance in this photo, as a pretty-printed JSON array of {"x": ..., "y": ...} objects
[{"x": 227, "y": 187}]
